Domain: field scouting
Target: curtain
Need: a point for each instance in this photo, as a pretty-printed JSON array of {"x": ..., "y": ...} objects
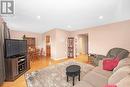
[
  {"x": 4, "y": 34},
  {"x": 6, "y": 31}
]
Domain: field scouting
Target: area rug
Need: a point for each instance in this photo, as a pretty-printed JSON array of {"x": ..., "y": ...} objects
[{"x": 55, "y": 75}]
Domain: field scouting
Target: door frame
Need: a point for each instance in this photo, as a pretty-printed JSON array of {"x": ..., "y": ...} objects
[
  {"x": 48, "y": 43},
  {"x": 87, "y": 42}
]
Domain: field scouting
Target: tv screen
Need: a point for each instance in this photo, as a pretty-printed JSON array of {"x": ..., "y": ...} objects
[
  {"x": 22, "y": 46},
  {"x": 15, "y": 47}
]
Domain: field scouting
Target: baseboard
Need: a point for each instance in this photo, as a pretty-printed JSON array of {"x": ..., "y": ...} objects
[{"x": 59, "y": 58}]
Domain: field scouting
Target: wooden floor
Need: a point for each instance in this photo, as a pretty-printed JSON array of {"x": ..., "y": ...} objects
[{"x": 39, "y": 64}]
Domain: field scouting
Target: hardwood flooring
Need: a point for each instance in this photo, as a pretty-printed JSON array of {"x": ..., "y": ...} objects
[{"x": 39, "y": 64}]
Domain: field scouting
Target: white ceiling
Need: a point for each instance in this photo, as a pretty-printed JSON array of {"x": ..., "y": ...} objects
[{"x": 43, "y": 15}]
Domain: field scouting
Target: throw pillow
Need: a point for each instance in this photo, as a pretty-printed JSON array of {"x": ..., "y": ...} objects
[
  {"x": 110, "y": 64},
  {"x": 110, "y": 85}
]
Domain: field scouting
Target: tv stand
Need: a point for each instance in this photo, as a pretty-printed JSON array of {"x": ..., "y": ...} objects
[{"x": 15, "y": 67}]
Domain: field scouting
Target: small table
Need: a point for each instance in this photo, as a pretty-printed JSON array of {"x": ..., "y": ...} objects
[
  {"x": 91, "y": 58},
  {"x": 73, "y": 71}
]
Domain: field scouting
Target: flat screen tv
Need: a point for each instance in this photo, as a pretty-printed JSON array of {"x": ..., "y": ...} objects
[{"x": 15, "y": 47}]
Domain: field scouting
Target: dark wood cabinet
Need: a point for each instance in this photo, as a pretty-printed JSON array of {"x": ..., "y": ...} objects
[
  {"x": 11, "y": 68},
  {"x": 71, "y": 47},
  {"x": 15, "y": 67},
  {"x": 31, "y": 46},
  {"x": 28, "y": 62},
  {"x": 31, "y": 42}
]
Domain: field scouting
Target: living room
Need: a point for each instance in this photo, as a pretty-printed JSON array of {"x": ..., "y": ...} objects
[{"x": 52, "y": 37}]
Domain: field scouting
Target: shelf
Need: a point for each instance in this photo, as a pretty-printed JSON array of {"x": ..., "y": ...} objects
[
  {"x": 15, "y": 67},
  {"x": 21, "y": 60}
]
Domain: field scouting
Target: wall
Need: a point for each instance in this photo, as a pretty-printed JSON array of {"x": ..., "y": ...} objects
[
  {"x": 58, "y": 43},
  {"x": 61, "y": 43},
  {"x": 19, "y": 34},
  {"x": 82, "y": 47},
  {"x": 103, "y": 38},
  {"x": 52, "y": 34}
]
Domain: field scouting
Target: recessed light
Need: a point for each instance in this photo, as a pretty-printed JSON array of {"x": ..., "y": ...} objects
[
  {"x": 38, "y": 17},
  {"x": 69, "y": 26},
  {"x": 100, "y": 17}
]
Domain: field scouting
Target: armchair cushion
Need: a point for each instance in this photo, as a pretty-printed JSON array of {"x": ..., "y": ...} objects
[
  {"x": 119, "y": 75},
  {"x": 122, "y": 63},
  {"x": 105, "y": 73},
  {"x": 124, "y": 82}
]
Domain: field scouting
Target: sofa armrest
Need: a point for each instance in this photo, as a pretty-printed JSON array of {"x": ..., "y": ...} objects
[
  {"x": 96, "y": 58},
  {"x": 100, "y": 57}
]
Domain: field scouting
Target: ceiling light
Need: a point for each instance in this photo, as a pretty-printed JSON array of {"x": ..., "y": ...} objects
[
  {"x": 38, "y": 17},
  {"x": 69, "y": 26},
  {"x": 100, "y": 17}
]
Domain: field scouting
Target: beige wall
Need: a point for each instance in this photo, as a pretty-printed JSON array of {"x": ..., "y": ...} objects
[
  {"x": 19, "y": 35},
  {"x": 52, "y": 34},
  {"x": 58, "y": 43},
  {"x": 82, "y": 47},
  {"x": 61, "y": 43},
  {"x": 103, "y": 38}
]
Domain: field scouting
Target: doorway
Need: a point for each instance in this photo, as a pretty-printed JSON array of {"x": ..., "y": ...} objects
[
  {"x": 48, "y": 46},
  {"x": 83, "y": 44}
]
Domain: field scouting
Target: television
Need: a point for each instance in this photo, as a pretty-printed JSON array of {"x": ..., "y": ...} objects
[{"x": 15, "y": 47}]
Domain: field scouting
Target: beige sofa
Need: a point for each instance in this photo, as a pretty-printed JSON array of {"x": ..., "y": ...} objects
[{"x": 99, "y": 77}]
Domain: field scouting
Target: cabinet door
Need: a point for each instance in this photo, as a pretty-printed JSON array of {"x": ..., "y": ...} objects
[
  {"x": 28, "y": 62},
  {"x": 11, "y": 68},
  {"x": 14, "y": 67}
]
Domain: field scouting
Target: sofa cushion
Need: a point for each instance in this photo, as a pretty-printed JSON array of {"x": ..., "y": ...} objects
[
  {"x": 124, "y": 82},
  {"x": 102, "y": 72},
  {"x": 119, "y": 75},
  {"x": 83, "y": 84},
  {"x": 95, "y": 79},
  {"x": 123, "y": 62}
]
